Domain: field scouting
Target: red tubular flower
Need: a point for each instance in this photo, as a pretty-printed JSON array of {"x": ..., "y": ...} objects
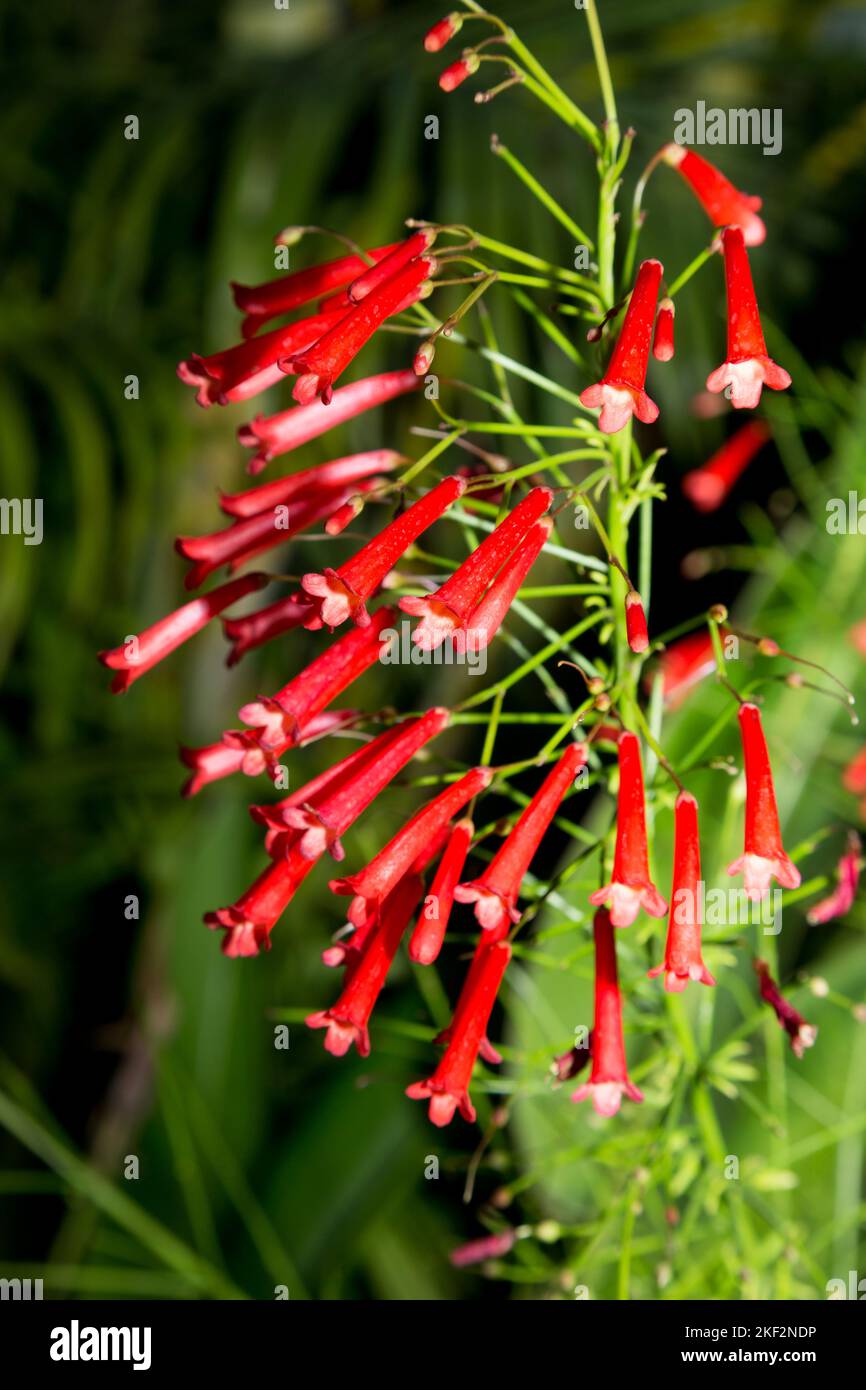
[
  {"x": 608, "y": 1080},
  {"x": 496, "y": 892},
  {"x": 254, "y": 629},
  {"x": 764, "y": 857},
  {"x": 620, "y": 393},
  {"x": 854, "y": 775},
  {"x": 448, "y": 1088},
  {"x": 707, "y": 487},
  {"x": 371, "y": 885},
  {"x": 140, "y": 653},
  {"x": 663, "y": 338},
  {"x": 376, "y": 275},
  {"x": 263, "y": 302},
  {"x": 683, "y": 960},
  {"x": 475, "y": 1252},
  {"x": 631, "y": 888},
  {"x": 747, "y": 368},
  {"x": 443, "y": 32},
  {"x": 323, "y": 478},
  {"x": 347, "y": 1020},
  {"x": 724, "y": 204},
  {"x": 684, "y": 664},
  {"x": 280, "y": 434},
  {"x": 841, "y": 900},
  {"x": 249, "y": 922},
  {"x": 429, "y": 933},
  {"x": 319, "y": 367},
  {"x": 243, "y": 371},
  {"x": 237, "y": 752},
  {"x": 635, "y": 622},
  {"x": 488, "y": 616},
  {"x": 457, "y": 73},
  {"x": 449, "y": 608},
  {"x": 344, "y": 515},
  {"x": 801, "y": 1033},
  {"x": 341, "y": 594},
  {"x": 276, "y": 721}
]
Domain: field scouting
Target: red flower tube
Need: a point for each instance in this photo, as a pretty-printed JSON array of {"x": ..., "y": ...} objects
[
  {"x": 243, "y": 371},
  {"x": 841, "y": 900},
  {"x": 683, "y": 960},
  {"x": 376, "y": 275},
  {"x": 249, "y": 922},
  {"x": 276, "y": 721},
  {"x": 443, "y": 32},
  {"x": 496, "y": 892},
  {"x": 263, "y": 302},
  {"x": 254, "y": 629},
  {"x": 371, "y": 885},
  {"x": 764, "y": 857},
  {"x": 487, "y": 617},
  {"x": 429, "y": 933},
  {"x": 341, "y": 594},
  {"x": 663, "y": 338},
  {"x": 322, "y": 478},
  {"x": 801, "y": 1033},
  {"x": 707, "y": 487},
  {"x": 320, "y": 365},
  {"x": 635, "y": 622},
  {"x": 683, "y": 664},
  {"x": 455, "y": 75},
  {"x": 475, "y": 1252},
  {"x": 280, "y": 434},
  {"x": 620, "y": 393},
  {"x": 448, "y": 1088},
  {"x": 448, "y": 609},
  {"x": 237, "y": 752},
  {"x": 747, "y": 368},
  {"x": 608, "y": 1080},
  {"x": 142, "y": 652},
  {"x": 724, "y": 204},
  {"x": 630, "y": 889}
]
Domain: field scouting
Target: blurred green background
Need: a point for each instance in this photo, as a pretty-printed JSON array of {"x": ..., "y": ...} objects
[{"x": 261, "y": 1167}]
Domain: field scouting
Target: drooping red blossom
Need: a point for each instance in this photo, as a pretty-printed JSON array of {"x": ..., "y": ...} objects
[
  {"x": 248, "y": 923},
  {"x": 455, "y": 75},
  {"x": 570, "y": 1064},
  {"x": 320, "y": 365},
  {"x": 608, "y": 1081},
  {"x": 487, "y": 617},
  {"x": 747, "y": 368},
  {"x": 142, "y": 652},
  {"x": 448, "y": 1088},
  {"x": 724, "y": 204},
  {"x": 426, "y": 940},
  {"x": 764, "y": 857},
  {"x": 442, "y": 32},
  {"x": 376, "y": 275},
  {"x": 322, "y": 478},
  {"x": 475, "y": 1252},
  {"x": 620, "y": 393},
  {"x": 243, "y": 371},
  {"x": 631, "y": 888},
  {"x": 276, "y": 721},
  {"x": 800, "y": 1033},
  {"x": 635, "y": 622},
  {"x": 342, "y": 593},
  {"x": 236, "y": 752},
  {"x": 371, "y": 885},
  {"x": 254, "y": 629},
  {"x": 260, "y": 303},
  {"x": 279, "y": 434},
  {"x": 854, "y": 775},
  {"x": 841, "y": 899},
  {"x": 707, "y": 487},
  {"x": 449, "y": 608},
  {"x": 347, "y": 1021},
  {"x": 663, "y": 338},
  {"x": 683, "y": 961},
  {"x": 684, "y": 664},
  {"x": 496, "y": 892}
]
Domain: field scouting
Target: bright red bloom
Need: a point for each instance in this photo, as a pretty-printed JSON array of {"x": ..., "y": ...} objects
[
  {"x": 341, "y": 594},
  {"x": 801, "y": 1033},
  {"x": 344, "y": 515},
  {"x": 429, "y": 933},
  {"x": 276, "y": 721},
  {"x": 448, "y": 1088},
  {"x": 496, "y": 892},
  {"x": 263, "y": 302},
  {"x": 764, "y": 857},
  {"x": 747, "y": 368},
  {"x": 635, "y": 622},
  {"x": 140, "y": 653},
  {"x": 620, "y": 393},
  {"x": 320, "y": 365},
  {"x": 630, "y": 889},
  {"x": 371, "y": 885},
  {"x": 455, "y": 75},
  {"x": 724, "y": 204},
  {"x": 488, "y": 616},
  {"x": 443, "y": 32},
  {"x": 322, "y": 478},
  {"x": 475, "y": 1252},
  {"x": 248, "y": 922},
  {"x": 663, "y": 338},
  {"x": 240, "y": 372},
  {"x": 707, "y": 487},
  {"x": 683, "y": 960},
  {"x": 841, "y": 899},
  {"x": 608, "y": 1080},
  {"x": 376, "y": 275},
  {"x": 237, "y": 752},
  {"x": 450, "y": 607},
  {"x": 279, "y": 434},
  {"x": 684, "y": 663},
  {"x": 254, "y": 629},
  {"x": 854, "y": 775}
]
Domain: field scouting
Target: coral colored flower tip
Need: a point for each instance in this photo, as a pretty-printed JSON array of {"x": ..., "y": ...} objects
[
  {"x": 683, "y": 961},
  {"x": 457, "y": 73},
  {"x": 620, "y": 393},
  {"x": 724, "y": 204},
  {"x": 747, "y": 368},
  {"x": 763, "y": 857},
  {"x": 635, "y": 622},
  {"x": 630, "y": 888},
  {"x": 608, "y": 1081},
  {"x": 663, "y": 338}
]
